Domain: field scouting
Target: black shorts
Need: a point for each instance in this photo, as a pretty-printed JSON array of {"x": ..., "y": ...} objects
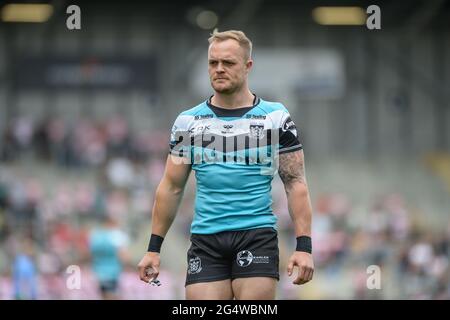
[
  {"x": 108, "y": 286},
  {"x": 233, "y": 254}
]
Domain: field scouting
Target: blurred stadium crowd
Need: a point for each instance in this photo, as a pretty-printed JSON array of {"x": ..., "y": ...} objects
[{"x": 58, "y": 179}]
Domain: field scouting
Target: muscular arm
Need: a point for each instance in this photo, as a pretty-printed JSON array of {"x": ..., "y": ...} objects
[
  {"x": 168, "y": 195},
  {"x": 167, "y": 199},
  {"x": 292, "y": 173}
]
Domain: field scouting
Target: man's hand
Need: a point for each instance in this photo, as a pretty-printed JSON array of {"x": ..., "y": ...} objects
[
  {"x": 149, "y": 267},
  {"x": 305, "y": 264}
]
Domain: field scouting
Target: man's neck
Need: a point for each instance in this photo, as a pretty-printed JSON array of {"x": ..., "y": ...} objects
[{"x": 233, "y": 101}]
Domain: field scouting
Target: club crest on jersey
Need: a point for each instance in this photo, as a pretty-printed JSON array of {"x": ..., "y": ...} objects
[
  {"x": 195, "y": 265},
  {"x": 256, "y": 131}
]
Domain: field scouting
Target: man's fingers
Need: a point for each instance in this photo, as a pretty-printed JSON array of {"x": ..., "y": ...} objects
[
  {"x": 154, "y": 276},
  {"x": 305, "y": 274},
  {"x": 311, "y": 274},
  {"x": 290, "y": 267},
  {"x": 307, "y": 277},
  {"x": 143, "y": 274},
  {"x": 152, "y": 273},
  {"x": 300, "y": 275}
]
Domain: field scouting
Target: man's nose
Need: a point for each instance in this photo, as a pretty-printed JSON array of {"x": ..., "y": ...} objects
[{"x": 220, "y": 67}]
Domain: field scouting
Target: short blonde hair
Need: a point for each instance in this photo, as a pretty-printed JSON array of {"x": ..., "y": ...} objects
[{"x": 237, "y": 35}]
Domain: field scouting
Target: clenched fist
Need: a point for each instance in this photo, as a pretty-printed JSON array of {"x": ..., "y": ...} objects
[{"x": 149, "y": 267}]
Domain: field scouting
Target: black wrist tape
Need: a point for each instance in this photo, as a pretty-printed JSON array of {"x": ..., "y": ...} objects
[
  {"x": 304, "y": 244},
  {"x": 155, "y": 243}
]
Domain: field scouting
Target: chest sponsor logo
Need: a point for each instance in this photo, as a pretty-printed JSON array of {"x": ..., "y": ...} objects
[
  {"x": 257, "y": 117},
  {"x": 204, "y": 116}
]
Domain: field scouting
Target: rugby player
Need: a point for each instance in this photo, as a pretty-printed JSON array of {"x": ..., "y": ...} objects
[{"x": 227, "y": 140}]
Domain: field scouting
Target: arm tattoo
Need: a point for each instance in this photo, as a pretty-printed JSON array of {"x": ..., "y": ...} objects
[{"x": 292, "y": 168}]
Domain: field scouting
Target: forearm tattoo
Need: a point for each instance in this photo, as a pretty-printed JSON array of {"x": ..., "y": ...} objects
[{"x": 291, "y": 167}]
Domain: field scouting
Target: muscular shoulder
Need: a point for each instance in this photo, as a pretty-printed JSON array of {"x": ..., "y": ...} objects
[
  {"x": 276, "y": 111},
  {"x": 271, "y": 106}
]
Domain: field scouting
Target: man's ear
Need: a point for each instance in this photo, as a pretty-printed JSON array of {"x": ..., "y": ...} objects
[{"x": 249, "y": 64}]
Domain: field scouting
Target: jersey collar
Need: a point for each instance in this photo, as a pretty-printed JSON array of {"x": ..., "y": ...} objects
[{"x": 238, "y": 112}]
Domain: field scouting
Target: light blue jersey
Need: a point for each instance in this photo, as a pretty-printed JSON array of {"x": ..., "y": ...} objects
[
  {"x": 232, "y": 153},
  {"x": 104, "y": 246}
]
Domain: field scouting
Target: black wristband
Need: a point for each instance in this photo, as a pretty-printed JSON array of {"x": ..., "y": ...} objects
[
  {"x": 155, "y": 243},
  {"x": 304, "y": 244}
]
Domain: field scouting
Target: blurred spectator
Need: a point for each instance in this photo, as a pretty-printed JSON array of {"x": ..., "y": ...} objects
[
  {"x": 24, "y": 272},
  {"x": 23, "y": 133},
  {"x": 108, "y": 245},
  {"x": 120, "y": 173}
]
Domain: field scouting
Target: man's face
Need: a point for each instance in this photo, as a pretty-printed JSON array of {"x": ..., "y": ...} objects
[{"x": 227, "y": 66}]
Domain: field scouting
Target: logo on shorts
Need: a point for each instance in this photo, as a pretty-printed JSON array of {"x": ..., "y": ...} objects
[
  {"x": 244, "y": 258},
  {"x": 195, "y": 265}
]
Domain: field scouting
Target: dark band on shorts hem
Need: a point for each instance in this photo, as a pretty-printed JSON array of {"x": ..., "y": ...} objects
[
  {"x": 211, "y": 279},
  {"x": 253, "y": 275}
]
